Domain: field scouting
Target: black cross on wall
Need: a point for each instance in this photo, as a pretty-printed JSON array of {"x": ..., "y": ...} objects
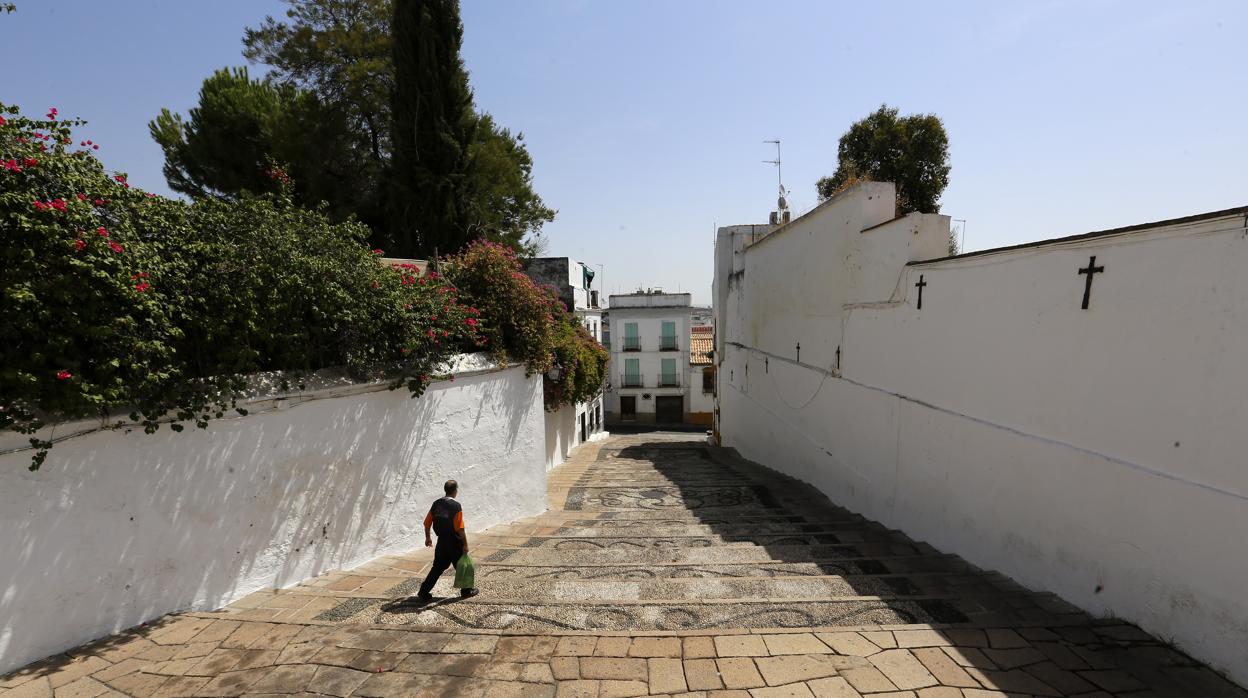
[
  {"x": 920, "y": 285},
  {"x": 1087, "y": 285}
]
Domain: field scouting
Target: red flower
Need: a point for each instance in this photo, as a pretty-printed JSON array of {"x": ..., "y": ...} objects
[
  {"x": 101, "y": 232},
  {"x": 116, "y": 248},
  {"x": 142, "y": 286},
  {"x": 377, "y": 252},
  {"x": 58, "y": 204},
  {"x": 63, "y": 375},
  {"x": 30, "y": 162},
  {"x": 95, "y": 147},
  {"x": 40, "y": 206},
  {"x": 88, "y": 141},
  {"x": 151, "y": 195},
  {"x": 12, "y": 166},
  {"x": 471, "y": 322},
  {"x": 82, "y": 197},
  {"x": 430, "y": 333},
  {"x": 2, "y": 121},
  {"x": 99, "y": 202},
  {"x": 79, "y": 244},
  {"x": 52, "y": 113}
]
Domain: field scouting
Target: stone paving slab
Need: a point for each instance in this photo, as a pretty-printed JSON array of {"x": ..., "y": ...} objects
[{"x": 687, "y": 572}]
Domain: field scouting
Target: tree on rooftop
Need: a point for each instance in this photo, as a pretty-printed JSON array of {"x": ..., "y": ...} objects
[{"x": 910, "y": 151}]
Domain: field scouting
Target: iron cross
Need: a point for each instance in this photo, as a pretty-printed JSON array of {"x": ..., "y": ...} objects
[
  {"x": 1087, "y": 286},
  {"x": 920, "y": 286}
]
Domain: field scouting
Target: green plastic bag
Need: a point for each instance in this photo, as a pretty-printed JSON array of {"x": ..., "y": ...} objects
[{"x": 465, "y": 575}]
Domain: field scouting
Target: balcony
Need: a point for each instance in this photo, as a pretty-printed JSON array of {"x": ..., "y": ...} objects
[
  {"x": 629, "y": 380},
  {"x": 668, "y": 344},
  {"x": 669, "y": 381},
  {"x": 632, "y": 344}
]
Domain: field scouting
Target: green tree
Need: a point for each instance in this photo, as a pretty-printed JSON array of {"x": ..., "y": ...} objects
[
  {"x": 910, "y": 151},
  {"x": 434, "y": 128},
  {"x": 242, "y": 125},
  {"x": 502, "y": 204}
]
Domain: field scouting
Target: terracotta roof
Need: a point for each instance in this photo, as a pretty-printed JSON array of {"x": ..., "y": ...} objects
[
  {"x": 701, "y": 342},
  {"x": 702, "y": 329}
]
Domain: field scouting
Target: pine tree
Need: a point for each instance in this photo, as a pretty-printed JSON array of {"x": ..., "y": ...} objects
[{"x": 434, "y": 126}]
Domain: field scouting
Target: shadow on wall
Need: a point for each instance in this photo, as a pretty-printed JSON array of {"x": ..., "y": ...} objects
[{"x": 119, "y": 528}]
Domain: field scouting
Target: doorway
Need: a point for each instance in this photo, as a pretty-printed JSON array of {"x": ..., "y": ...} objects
[
  {"x": 628, "y": 408},
  {"x": 669, "y": 408}
]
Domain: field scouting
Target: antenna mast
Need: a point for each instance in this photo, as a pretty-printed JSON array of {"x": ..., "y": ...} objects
[{"x": 781, "y": 214}]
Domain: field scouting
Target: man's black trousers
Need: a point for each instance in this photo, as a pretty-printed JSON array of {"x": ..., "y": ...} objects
[{"x": 443, "y": 556}]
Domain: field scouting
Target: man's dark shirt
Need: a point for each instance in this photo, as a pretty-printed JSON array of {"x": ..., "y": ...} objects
[{"x": 446, "y": 517}]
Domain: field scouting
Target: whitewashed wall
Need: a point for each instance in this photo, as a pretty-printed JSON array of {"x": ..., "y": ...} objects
[
  {"x": 118, "y": 528},
  {"x": 1098, "y": 454}
]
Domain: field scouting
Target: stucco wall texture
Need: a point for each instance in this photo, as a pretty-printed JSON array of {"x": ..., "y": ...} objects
[
  {"x": 1097, "y": 454},
  {"x": 118, "y": 528}
]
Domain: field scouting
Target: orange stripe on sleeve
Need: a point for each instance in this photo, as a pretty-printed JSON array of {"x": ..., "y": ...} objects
[
  {"x": 429, "y": 519},
  {"x": 459, "y": 521}
]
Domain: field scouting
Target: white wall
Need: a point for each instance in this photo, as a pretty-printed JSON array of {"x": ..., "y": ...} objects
[
  {"x": 121, "y": 527},
  {"x": 699, "y": 401},
  {"x": 1071, "y": 449}
]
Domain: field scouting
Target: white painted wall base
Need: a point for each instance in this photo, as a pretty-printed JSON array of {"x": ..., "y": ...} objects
[{"x": 118, "y": 528}]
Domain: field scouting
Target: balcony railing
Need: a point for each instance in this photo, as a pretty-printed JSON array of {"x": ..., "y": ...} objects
[
  {"x": 632, "y": 344},
  {"x": 669, "y": 381},
  {"x": 631, "y": 381},
  {"x": 667, "y": 344}
]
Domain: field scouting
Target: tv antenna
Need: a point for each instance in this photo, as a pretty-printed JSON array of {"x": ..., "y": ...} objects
[{"x": 782, "y": 204}]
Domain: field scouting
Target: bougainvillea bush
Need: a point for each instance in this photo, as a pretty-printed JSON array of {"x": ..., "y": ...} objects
[
  {"x": 118, "y": 300},
  {"x": 524, "y": 321}
]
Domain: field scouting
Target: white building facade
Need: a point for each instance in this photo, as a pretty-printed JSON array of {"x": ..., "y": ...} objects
[
  {"x": 1069, "y": 412},
  {"x": 572, "y": 282},
  {"x": 649, "y": 358}
]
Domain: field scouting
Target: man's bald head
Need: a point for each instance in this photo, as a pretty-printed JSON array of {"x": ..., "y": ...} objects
[{"x": 451, "y": 488}]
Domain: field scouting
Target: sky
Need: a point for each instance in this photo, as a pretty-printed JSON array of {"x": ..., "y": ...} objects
[{"x": 646, "y": 119}]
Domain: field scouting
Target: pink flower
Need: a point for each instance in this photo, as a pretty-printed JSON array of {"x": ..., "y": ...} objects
[
  {"x": 80, "y": 244},
  {"x": 101, "y": 232},
  {"x": 52, "y": 113},
  {"x": 63, "y": 375},
  {"x": 2, "y": 121},
  {"x": 99, "y": 202},
  {"x": 30, "y": 162},
  {"x": 58, "y": 204},
  {"x": 378, "y": 252},
  {"x": 116, "y": 248},
  {"x": 12, "y": 166},
  {"x": 142, "y": 286},
  {"x": 82, "y": 197},
  {"x": 40, "y": 206}
]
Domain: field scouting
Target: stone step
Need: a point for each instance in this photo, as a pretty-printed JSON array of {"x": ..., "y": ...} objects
[
  {"x": 839, "y": 530},
  {"x": 954, "y": 570},
  {"x": 641, "y": 542},
  {"x": 482, "y": 613},
  {"x": 689, "y": 555}
]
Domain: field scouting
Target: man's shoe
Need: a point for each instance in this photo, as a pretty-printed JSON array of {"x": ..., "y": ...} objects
[
  {"x": 469, "y": 593},
  {"x": 424, "y": 598}
]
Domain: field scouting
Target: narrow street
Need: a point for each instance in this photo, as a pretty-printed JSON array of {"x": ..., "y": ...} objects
[{"x": 663, "y": 566}]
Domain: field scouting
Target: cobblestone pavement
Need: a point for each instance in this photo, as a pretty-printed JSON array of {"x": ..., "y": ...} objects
[{"x": 662, "y": 567}]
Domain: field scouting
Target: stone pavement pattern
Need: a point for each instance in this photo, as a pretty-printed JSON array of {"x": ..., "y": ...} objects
[{"x": 662, "y": 567}]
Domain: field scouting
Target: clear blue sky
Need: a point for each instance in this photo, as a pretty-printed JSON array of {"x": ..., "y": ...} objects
[{"x": 645, "y": 119}]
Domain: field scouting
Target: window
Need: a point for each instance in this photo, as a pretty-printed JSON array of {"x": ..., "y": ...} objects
[
  {"x": 667, "y": 341},
  {"x": 632, "y": 373},
  {"x": 632, "y": 342},
  {"x": 708, "y": 380},
  {"x": 668, "y": 378}
]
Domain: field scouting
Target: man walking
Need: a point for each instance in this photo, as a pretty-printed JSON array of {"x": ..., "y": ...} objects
[{"x": 446, "y": 518}]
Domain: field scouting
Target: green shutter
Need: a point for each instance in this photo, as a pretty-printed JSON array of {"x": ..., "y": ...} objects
[
  {"x": 669, "y": 372},
  {"x": 668, "y": 338},
  {"x": 632, "y": 372}
]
